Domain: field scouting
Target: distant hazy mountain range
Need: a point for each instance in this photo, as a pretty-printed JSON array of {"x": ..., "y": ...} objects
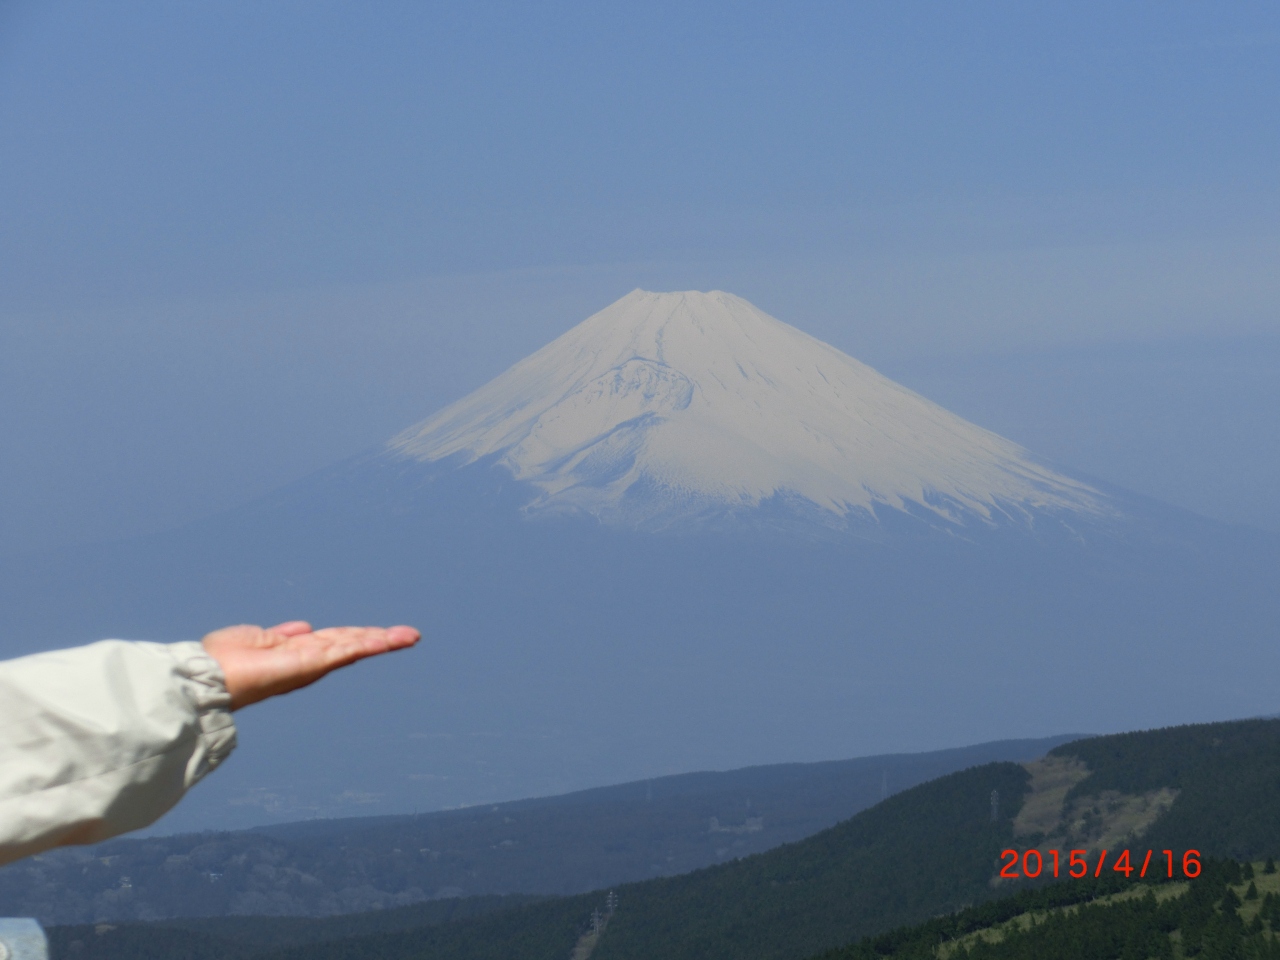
[{"x": 682, "y": 536}]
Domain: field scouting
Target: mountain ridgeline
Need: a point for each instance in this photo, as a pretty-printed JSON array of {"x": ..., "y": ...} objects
[
  {"x": 683, "y": 536},
  {"x": 929, "y": 851},
  {"x": 548, "y": 846}
]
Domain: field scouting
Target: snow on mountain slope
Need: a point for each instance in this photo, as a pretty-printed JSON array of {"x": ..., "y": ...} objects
[{"x": 665, "y": 405}]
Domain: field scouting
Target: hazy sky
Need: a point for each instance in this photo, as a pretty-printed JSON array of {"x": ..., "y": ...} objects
[{"x": 241, "y": 240}]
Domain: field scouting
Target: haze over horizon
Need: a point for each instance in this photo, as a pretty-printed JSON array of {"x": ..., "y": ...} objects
[
  {"x": 238, "y": 246},
  {"x": 684, "y": 535}
]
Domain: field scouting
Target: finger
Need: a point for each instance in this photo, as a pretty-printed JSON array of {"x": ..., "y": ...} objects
[
  {"x": 291, "y": 628},
  {"x": 377, "y": 636},
  {"x": 403, "y": 636},
  {"x": 344, "y": 645}
]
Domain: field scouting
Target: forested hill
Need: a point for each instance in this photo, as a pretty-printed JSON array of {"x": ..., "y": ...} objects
[
  {"x": 1226, "y": 775},
  {"x": 1229, "y": 911},
  {"x": 565, "y": 844},
  {"x": 924, "y": 850},
  {"x": 931, "y": 850},
  {"x": 928, "y": 851}
]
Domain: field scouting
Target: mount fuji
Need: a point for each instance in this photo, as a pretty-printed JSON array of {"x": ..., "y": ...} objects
[
  {"x": 684, "y": 535},
  {"x": 667, "y": 409}
]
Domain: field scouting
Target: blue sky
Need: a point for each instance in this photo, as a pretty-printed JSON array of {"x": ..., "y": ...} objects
[{"x": 241, "y": 240}]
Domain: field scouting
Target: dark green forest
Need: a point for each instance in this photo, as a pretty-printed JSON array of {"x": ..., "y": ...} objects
[
  {"x": 1228, "y": 775},
  {"x": 929, "y": 852},
  {"x": 492, "y": 930},
  {"x": 926, "y": 851},
  {"x": 1220, "y": 915},
  {"x": 561, "y": 845}
]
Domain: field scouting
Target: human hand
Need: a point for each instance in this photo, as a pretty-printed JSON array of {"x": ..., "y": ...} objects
[{"x": 260, "y": 663}]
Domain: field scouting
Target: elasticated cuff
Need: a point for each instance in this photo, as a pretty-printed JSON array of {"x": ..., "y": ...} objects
[{"x": 205, "y": 686}]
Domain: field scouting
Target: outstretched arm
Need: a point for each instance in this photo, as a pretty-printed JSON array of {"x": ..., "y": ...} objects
[{"x": 99, "y": 740}]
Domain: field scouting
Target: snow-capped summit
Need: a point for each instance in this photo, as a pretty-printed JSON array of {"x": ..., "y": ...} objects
[{"x": 666, "y": 405}]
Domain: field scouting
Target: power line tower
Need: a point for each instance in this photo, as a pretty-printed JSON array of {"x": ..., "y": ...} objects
[
  {"x": 995, "y": 805},
  {"x": 611, "y": 903}
]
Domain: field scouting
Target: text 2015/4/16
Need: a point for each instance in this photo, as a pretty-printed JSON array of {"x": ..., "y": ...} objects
[{"x": 1032, "y": 863}]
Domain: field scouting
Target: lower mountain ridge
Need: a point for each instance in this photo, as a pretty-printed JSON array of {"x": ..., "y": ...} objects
[
  {"x": 930, "y": 851},
  {"x": 549, "y": 845}
]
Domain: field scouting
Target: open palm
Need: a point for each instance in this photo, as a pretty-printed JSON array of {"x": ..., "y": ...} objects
[{"x": 260, "y": 663}]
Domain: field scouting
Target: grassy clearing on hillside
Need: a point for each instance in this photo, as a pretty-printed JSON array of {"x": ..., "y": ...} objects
[
  {"x": 1026, "y": 921},
  {"x": 1227, "y": 778},
  {"x": 1230, "y": 912}
]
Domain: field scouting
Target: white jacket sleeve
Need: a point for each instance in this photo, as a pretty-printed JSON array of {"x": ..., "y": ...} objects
[{"x": 99, "y": 740}]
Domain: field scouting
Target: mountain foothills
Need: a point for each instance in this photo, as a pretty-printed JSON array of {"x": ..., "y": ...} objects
[
  {"x": 553, "y": 845},
  {"x": 930, "y": 855},
  {"x": 682, "y": 536}
]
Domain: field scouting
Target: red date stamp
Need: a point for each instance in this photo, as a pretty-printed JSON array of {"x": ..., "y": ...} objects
[{"x": 1051, "y": 863}]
